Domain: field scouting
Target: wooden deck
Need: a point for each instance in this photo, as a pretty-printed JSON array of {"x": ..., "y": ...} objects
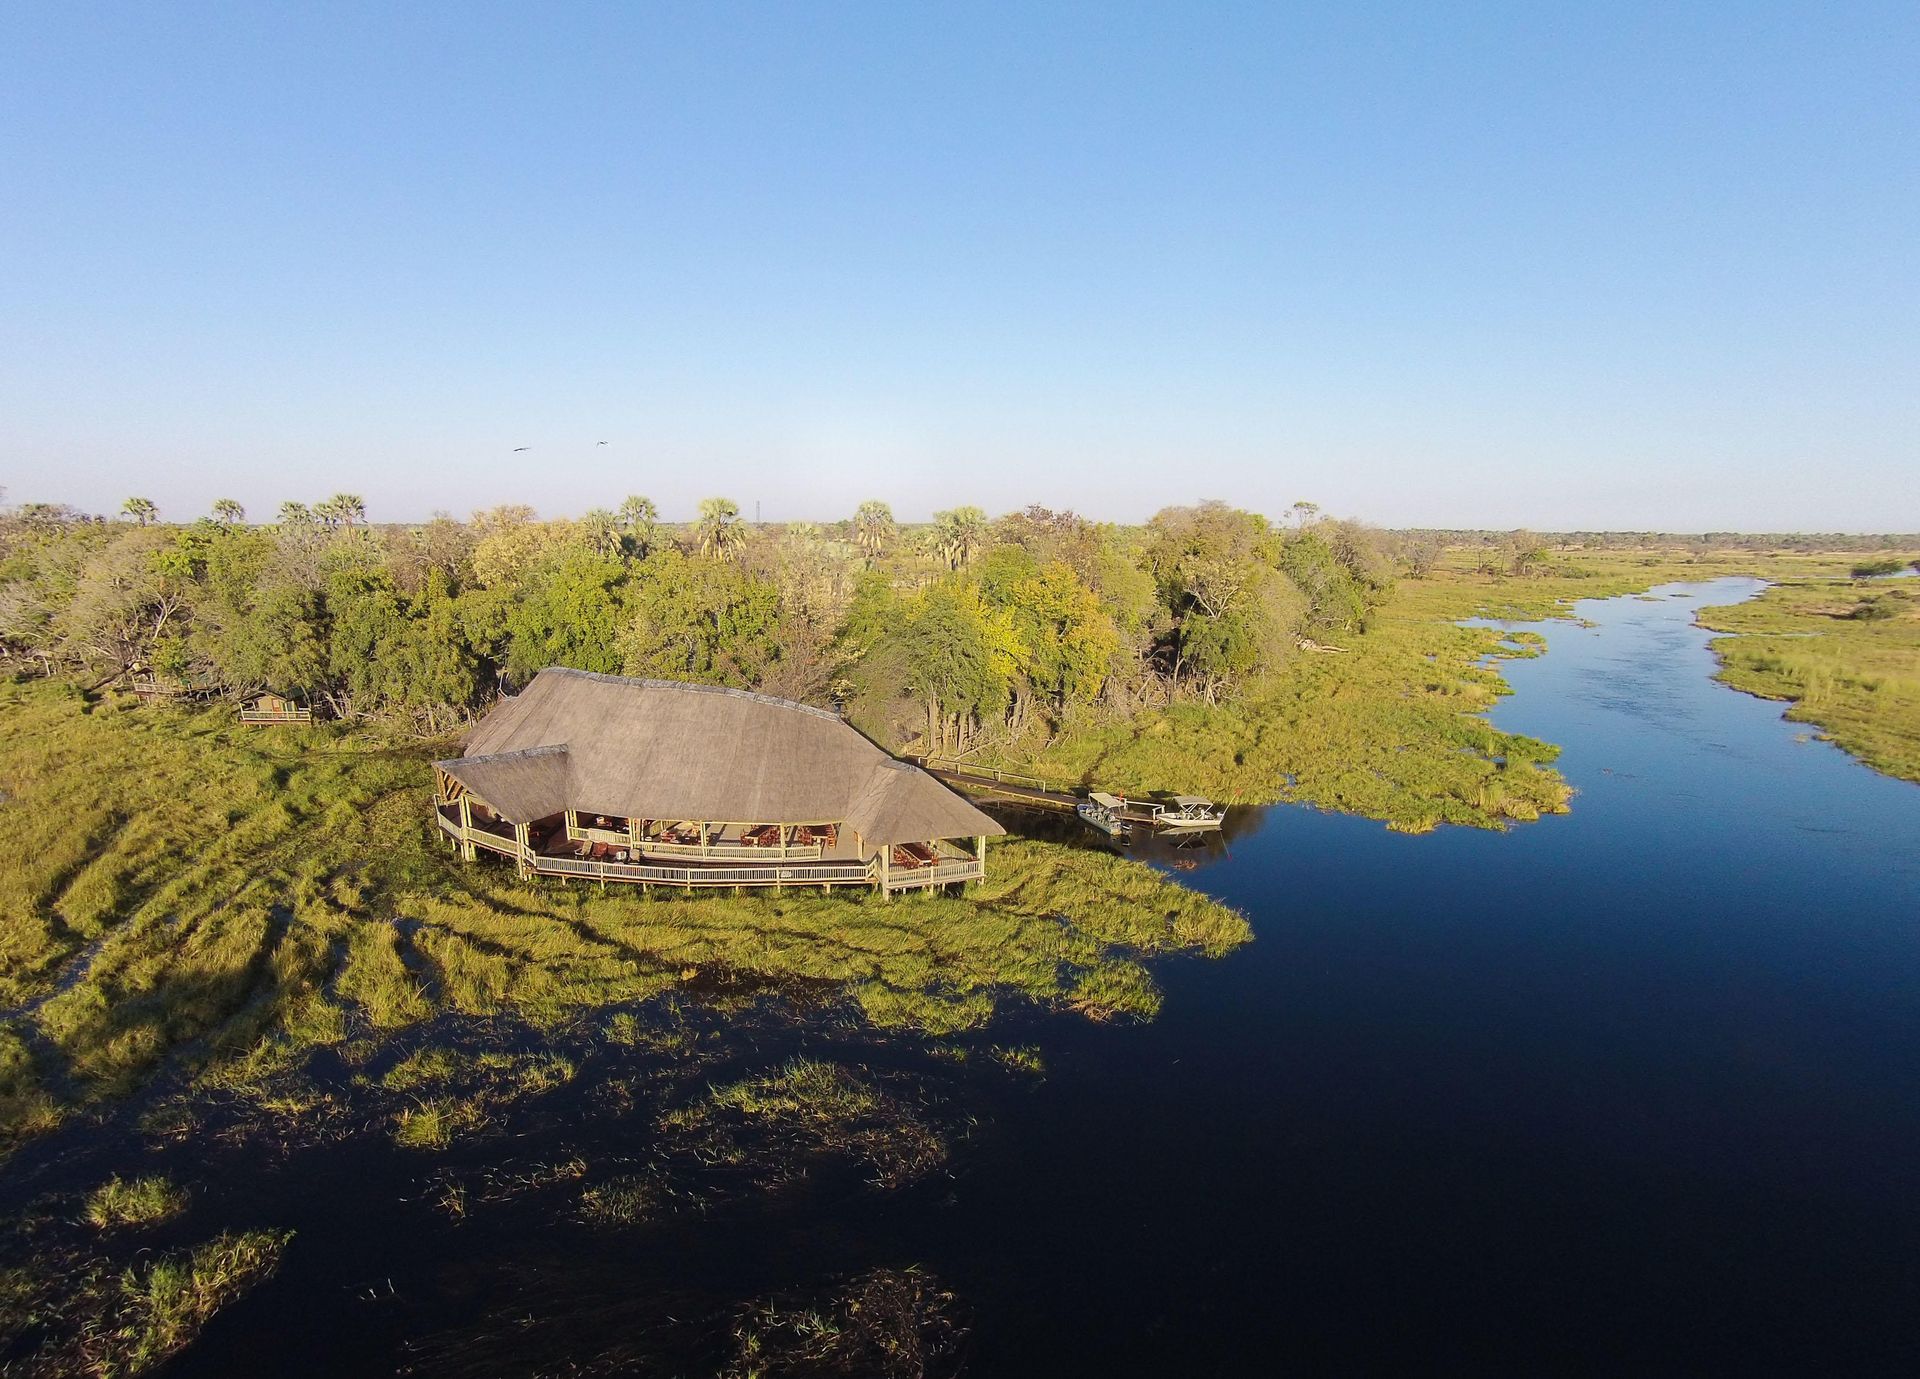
[{"x": 947, "y": 867}]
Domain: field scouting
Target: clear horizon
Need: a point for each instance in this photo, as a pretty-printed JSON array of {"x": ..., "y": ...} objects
[{"x": 1608, "y": 268}]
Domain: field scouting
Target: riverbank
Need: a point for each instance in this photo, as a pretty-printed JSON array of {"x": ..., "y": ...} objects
[
  {"x": 1391, "y": 725},
  {"x": 223, "y": 936},
  {"x": 1843, "y": 653}
]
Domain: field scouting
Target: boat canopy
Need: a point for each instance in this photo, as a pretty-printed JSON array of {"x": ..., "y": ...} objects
[
  {"x": 1104, "y": 800},
  {"x": 1193, "y": 801}
]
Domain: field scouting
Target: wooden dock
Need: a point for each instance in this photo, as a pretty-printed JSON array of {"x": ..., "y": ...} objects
[{"x": 1031, "y": 790}]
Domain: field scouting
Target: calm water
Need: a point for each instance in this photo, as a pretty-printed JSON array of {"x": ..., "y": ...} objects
[{"x": 1634, "y": 1090}]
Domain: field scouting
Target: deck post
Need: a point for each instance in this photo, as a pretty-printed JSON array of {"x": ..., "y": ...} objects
[
  {"x": 520, "y": 832},
  {"x": 466, "y": 828}
]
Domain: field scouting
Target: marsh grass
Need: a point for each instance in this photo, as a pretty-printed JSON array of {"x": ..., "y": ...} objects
[
  {"x": 179, "y": 890},
  {"x": 806, "y": 1108},
  {"x": 1393, "y": 728},
  {"x": 1856, "y": 677},
  {"x": 134, "y": 1202},
  {"x": 888, "y": 1323},
  {"x": 164, "y": 1305}
]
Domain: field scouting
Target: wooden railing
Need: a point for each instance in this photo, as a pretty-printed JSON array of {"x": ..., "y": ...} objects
[
  {"x": 994, "y": 773},
  {"x": 836, "y": 873},
  {"x": 655, "y": 848},
  {"x": 493, "y": 842},
  {"x": 276, "y": 715},
  {"x": 953, "y": 866}
]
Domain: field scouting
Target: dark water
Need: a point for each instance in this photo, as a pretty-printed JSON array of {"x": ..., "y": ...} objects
[{"x": 1634, "y": 1090}]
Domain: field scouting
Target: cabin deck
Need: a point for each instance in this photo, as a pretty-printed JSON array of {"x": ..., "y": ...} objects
[{"x": 550, "y": 852}]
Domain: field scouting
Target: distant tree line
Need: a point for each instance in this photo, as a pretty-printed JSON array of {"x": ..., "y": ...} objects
[
  {"x": 1564, "y": 541},
  {"x": 961, "y": 631}
]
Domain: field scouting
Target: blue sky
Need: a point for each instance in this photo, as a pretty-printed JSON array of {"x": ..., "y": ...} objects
[{"x": 1568, "y": 266}]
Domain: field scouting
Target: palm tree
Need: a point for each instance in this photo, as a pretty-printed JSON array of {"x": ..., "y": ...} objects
[
  {"x": 805, "y": 535},
  {"x": 638, "y": 512},
  {"x": 873, "y": 528},
  {"x": 721, "y": 533},
  {"x": 229, "y": 513},
  {"x": 602, "y": 531},
  {"x": 344, "y": 509},
  {"x": 637, "y": 518},
  {"x": 958, "y": 533},
  {"x": 141, "y": 511},
  {"x": 294, "y": 514}
]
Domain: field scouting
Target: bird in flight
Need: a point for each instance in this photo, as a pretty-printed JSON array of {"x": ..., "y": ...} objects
[
  {"x": 518, "y": 448},
  {"x": 599, "y": 442}
]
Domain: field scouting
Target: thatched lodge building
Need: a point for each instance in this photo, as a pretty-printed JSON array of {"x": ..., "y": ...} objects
[{"x": 660, "y": 783}]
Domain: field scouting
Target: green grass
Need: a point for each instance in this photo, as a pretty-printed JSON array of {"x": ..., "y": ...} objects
[
  {"x": 1845, "y": 654},
  {"x": 134, "y": 1202},
  {"x": 179, "y": 890},
  {"x": 628, "y": 1200},
  {"x": 1393, "y": 726},
  {"x": 812, "y": 1108},
  {"x": 435, "y": 1122},
  {"x": 893, "y": 1322},
  {"x": 164, "y": 1305}
]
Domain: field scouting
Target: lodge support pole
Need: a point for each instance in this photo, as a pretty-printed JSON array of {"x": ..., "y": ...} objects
[{"x": 466, "y": 828}]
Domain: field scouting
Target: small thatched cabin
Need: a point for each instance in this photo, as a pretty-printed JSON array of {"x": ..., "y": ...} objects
[{"x": 652, "y": 781}]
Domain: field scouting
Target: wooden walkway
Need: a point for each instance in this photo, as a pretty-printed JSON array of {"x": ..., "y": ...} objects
[{"x": 1023, "y": 789}]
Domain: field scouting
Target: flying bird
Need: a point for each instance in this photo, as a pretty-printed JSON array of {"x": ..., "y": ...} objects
[
  {"x": 599, "y": 442},
  {"x": 518, "y": 448}
]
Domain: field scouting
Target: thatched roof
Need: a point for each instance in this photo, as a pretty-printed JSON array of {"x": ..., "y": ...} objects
[
  {"x": 657, "y": 749},
  {"x": 522, "y": 786}
]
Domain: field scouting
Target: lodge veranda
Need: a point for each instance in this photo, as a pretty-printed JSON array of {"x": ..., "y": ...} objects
[{"x": 607, "y": 778}]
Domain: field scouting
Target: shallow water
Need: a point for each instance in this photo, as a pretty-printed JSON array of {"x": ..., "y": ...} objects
[{"x": 1636, "y": 1089}]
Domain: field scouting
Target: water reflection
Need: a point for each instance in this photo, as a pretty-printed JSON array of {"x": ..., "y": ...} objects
[{"x": 1169, "y": 850}]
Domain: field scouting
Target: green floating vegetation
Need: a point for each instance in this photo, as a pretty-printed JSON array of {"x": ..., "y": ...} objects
[
  {"x": 134, "y": 1202},
  {"x": 77, "y": 1315},
  {"x": 812, "y": 1107},
  {"x": 886, "y": 1321},
  {"x": 164, "y": 1305},
  {"x": 178, "y": 889}
]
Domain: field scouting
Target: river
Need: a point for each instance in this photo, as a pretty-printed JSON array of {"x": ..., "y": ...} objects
[{"x": 1630, "y": 1090}]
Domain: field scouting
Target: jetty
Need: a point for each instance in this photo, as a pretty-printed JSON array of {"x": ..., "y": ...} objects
[{"x": 1108, "y": 811}]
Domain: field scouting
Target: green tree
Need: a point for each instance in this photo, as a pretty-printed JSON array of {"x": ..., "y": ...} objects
[
  {"x": 955, "y": 663},
  {"x": 600, "y": 531},
  {"x": 638, "y": 519},
  {"x": 701, "y": 619},
  {"x": 570, "y": 614},
  {"x": 228, "y": 513},
  {"x": 720, "y": 531},
  {"x": 140, "y": 511},
  {"x": 873, "y": 529},
  {"x": 958, "y": 533},
  {"x": 342, "y": 510}
]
